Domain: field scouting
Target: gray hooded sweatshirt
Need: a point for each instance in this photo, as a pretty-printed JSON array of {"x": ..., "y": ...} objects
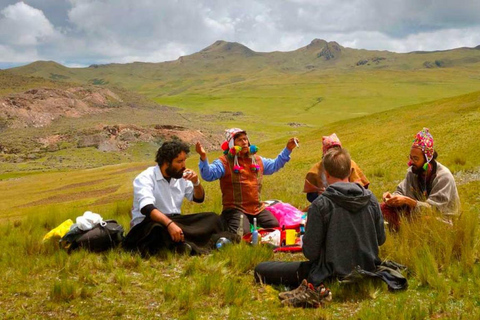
[{"x": 344, "y": 230}]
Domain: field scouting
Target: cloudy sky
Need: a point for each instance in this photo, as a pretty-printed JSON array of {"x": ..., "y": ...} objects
[{"x": 83, "y": 32}]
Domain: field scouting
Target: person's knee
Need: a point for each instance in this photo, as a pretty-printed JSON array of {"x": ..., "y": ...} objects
[
  {"x": 229, "y": 225},
  {"x": 258, "y": 272},
  {"x": 270, "y": 223},
  {"x": 275, "y": 223}
]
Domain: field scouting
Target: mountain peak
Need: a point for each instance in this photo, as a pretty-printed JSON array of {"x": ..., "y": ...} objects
[
  {"x": 317, "y": 43},
  {"x": 323, "y": 49},
  {"x": 43, "y": 63},
  {"x": 221, "y": 46}
]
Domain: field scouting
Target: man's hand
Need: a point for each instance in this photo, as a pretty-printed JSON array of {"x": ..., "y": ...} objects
[
  {"x": 201, "y": 151},
  {"x": 292, "y": 143},
  {"x": 398, "y": 201},
  {"x": 175, "y": 232},
  {"x": 190, "y": 175},
  {"x": 386, "y": 196}
]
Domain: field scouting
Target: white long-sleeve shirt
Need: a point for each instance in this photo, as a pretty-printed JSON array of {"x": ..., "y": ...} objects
[{"x": 150, "y": 187}]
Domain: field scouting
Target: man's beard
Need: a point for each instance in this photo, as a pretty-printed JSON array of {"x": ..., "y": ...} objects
[
  {"x": 172, "y": 173},
  {"x": 417, "y": 171}
]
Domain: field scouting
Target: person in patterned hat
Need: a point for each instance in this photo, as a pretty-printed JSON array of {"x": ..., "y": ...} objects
[
  {"x": 427, "y": 185},
  {"x": 315, "y": 180},
  {"x": 240, "y": 171}
]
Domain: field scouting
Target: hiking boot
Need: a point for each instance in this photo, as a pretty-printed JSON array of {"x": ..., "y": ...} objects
[
  {"x": 289, "y": 294},
  {"x": 324, "y": 293},
  {"x": 309, "y": 298}
]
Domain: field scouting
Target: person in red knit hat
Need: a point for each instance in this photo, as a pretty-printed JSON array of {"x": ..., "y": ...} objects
[
  {"x": 427, "y": 185},
  {"x": 240, "y": 171}
]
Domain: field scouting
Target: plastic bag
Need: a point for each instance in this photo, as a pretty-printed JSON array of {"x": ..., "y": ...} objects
[
  {"x": 286, "y": 214},
  {"x": 59, "y": 231},
  {"x": 88, "y": 220}
]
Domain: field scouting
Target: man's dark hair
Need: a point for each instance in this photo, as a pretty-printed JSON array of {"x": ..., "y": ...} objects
[
  {"x": 337, "y": 163},
  {"x": 170, "y": 150}
]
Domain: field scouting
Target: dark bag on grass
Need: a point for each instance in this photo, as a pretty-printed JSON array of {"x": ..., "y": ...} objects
[
  {"x": 103, "y": 236},
  {"x": 387, "y": 271}
]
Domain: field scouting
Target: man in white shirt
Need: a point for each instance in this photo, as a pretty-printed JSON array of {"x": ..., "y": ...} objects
[{"x": 158, "y": 196}]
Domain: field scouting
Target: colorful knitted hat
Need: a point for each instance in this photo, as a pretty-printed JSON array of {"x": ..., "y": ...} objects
[
  {"x": 424, "y": 141},
  {"x": 229, "y": 148},
  {"x": 329, "y": 142},
  {"x": 230, "y": 136}
]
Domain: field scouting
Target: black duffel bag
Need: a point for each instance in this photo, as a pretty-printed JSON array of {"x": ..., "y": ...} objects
[{"x": 106, "y": 235}]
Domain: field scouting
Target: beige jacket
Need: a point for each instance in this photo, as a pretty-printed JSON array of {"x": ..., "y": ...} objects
[{"x": 443, "y": 196}]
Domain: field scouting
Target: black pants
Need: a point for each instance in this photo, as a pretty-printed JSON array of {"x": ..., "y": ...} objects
[
  {"x": 231, "y": 220},
  {"x": 200, "y": 230},
  {"x": 289, "y": 274}
]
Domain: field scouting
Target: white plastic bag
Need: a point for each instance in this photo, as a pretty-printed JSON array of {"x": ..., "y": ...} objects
[
  {"x": 88, "y": 220},
  {"x": 272, "y": 237}
]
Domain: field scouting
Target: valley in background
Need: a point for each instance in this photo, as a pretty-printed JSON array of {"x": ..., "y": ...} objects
[{"x": 55, "y": 168}]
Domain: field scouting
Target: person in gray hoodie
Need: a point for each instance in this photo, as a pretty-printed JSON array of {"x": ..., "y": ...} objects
[{"x": 344, "y": 230}]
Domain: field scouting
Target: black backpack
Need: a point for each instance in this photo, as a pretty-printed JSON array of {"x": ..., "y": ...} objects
[{"x": 103, "y": 236}]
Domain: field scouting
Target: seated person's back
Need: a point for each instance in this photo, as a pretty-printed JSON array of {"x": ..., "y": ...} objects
[{"x": 315, "y": 180}]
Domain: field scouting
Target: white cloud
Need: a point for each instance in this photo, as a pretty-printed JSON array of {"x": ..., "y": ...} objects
[
  {"x": 82, "y": 32},
  {"x": 423, "y": 41},
  {"x": 22, "y": 25},
  {"x": 12, "y": 56}
]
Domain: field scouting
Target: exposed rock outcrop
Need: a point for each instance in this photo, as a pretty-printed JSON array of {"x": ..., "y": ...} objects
[
  {"x": 120, "y": 137},
  {"x": 39, "y": 107}
]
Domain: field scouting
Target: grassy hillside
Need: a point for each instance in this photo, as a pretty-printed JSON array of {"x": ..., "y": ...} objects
[
  {"x": 70, "y": 141},
  {"x": 286, "y": 92},
  {"x": 12, "y": 83},
  {"x": 444, "y": 272},
  {"x": 379, "y": 143}
]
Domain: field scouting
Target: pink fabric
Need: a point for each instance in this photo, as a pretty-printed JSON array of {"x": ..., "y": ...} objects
[{"x": 286, "y": 214}]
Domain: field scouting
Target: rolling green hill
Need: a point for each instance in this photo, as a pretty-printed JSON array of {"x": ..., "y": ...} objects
[
  {"x": 443, "y": 261},
  {"x": 12, "y": 83},
  {"x": 54, "y": 125},
  {"x": 286, "y": 92},
  {"x": 379, "y": 143},
  {"x": 374, "y": 101}
]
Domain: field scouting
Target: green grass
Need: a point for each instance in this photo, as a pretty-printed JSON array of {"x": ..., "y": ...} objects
[
  {"x": 271, "y": 103},
  {"x": 275, "y": 93},
  {"x": 41, "y": 281},
  {"x": 220, "y": 285},
  {"x": 275, "y": 89}
]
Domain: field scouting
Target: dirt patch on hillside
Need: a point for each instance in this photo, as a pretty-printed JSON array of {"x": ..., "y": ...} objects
[
  {"x": 71, "y": 197},
  {"x": 76, "y": 185},
  {"x": 39, "y": 107},
  {"x": 113, "y": 198},
  {"x": 85, "y": 124},
  {"x": 131, "y": 169},
  {"x": 110, "y": 138}
]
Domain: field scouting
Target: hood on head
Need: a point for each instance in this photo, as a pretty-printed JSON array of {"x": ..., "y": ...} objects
[{"x": 349, "y": 196}]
